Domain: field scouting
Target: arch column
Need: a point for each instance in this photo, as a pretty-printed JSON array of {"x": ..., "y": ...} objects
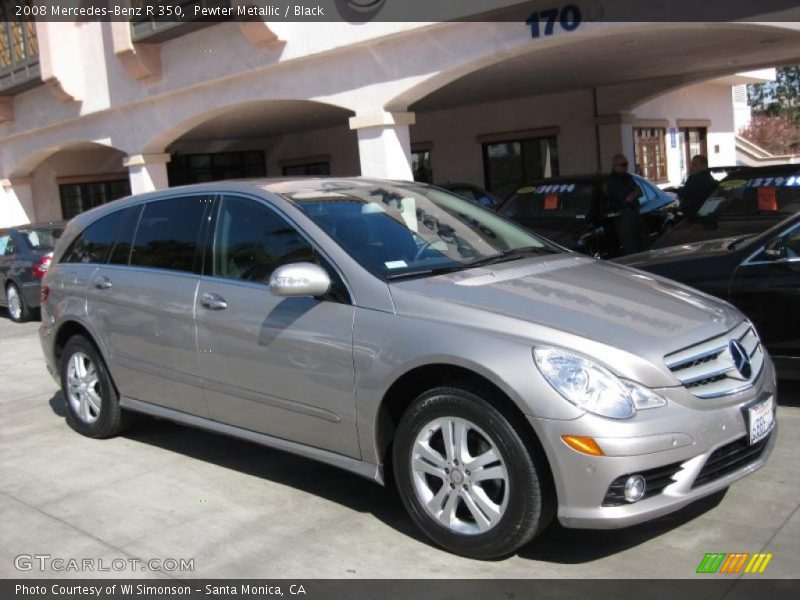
[
  {"x": 384, "y": 144},
  {"x": 147, "y": 172},
  {"x": 16, "y": 202},
  {"x": 615, "y": 136}
]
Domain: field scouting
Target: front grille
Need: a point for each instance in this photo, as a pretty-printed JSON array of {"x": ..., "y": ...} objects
[
  {"x": 656, "y": 480},
  {"x": 729, "y": 458},
  {"x": 708, "y": 370}
]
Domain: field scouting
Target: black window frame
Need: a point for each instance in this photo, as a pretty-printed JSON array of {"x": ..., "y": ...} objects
[{"x": 107, "y": 194}]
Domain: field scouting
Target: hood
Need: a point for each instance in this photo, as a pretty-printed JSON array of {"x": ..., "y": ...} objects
[
  {"x": 636, "y": 312},
  {"x": 685, "y": 252},
  {"x": 690, "y": 232}
]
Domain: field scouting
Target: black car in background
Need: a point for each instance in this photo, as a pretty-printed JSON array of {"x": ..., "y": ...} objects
[
  {"x": 25, "y": 253},
  {"x": 760, "y": 274},
  {"x": 747, "y": 201},
  {"x": 472, "y": 193},
  {"x": 570, "y": 212}
]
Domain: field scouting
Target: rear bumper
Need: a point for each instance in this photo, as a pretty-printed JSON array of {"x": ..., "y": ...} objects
[{"x": 687, "y": 439}]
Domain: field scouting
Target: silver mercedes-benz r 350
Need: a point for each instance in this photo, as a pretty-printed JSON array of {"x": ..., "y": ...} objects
[{"x": 387, "y": 327}]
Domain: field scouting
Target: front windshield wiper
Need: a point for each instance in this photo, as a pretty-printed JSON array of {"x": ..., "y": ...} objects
[
  {"x": 426, "y": 272},
  {"x": 506, "y": 255}
]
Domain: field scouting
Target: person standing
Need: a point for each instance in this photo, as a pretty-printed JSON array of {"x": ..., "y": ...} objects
[
  {"x": 621, "y": 195},
  {"x": 699, "y": 186}
]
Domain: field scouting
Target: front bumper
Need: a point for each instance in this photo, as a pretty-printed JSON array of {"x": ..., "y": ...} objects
[{"x": 683, "y": 435}]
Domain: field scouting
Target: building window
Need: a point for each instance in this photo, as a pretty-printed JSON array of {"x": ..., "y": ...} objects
[
  {"x": 650, "y": 152},
  {"x": 421, "y": 165},
  {"x": 163, "y": 25},
  {"x": 19, "y": 50},
  {"x": 509, "y": 165},
  {"x": 184, "y": 169},
  {"x": 315, "y": 168},
  {"x": 78, "y": 197},
  {"x": 693, "y": 142}
]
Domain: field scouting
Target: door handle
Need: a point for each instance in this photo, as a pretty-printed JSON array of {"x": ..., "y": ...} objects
[
  {"x": 103, "y": 283},
  {"x": 213, "y": 301}
]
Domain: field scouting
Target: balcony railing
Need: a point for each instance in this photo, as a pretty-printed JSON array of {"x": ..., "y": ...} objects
[
  {"x": 19, "y": 52},
  {"x": 160, "y": 27}
]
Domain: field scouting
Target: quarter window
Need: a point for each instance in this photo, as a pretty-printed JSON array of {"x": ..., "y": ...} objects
[
  {"x": 252, "y": 241},
  {"x": 93, "y": 245},
  {"x": 166, "y": 237}
]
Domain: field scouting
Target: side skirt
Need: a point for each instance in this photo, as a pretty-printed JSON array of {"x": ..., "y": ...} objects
[{"x": 366, "y": 470}]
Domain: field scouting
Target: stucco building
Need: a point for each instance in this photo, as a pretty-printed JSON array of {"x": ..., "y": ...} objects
[{"x": 90, "y": 110}]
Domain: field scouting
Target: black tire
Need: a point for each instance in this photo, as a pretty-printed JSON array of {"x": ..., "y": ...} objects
[
  {"x": 529, "y": 505},
  {"x": 111, "y": 418},
  {"x": 24, "y": 309}
]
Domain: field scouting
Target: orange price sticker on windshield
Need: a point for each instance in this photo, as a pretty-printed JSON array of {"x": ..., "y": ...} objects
[
  {"x": 551, "y": 202},
  {"x": 767, "y": 199}
]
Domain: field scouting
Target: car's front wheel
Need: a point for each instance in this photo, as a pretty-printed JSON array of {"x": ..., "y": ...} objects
[
  {"x": 466, "y": 476},
  {"x": 92, "y": 401}
]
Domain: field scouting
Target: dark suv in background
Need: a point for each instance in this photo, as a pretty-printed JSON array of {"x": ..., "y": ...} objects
[
  {"x": 25, "y": 254},
  {"x": 570, "y": 212}
]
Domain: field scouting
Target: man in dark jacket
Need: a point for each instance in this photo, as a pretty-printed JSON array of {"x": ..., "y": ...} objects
[
  {"x": 621, "y": 196},
  {"x": 697, "y": 188}
]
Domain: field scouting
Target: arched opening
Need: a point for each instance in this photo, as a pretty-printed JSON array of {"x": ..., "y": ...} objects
[
  {"x": 269, "y": 138},
  {"x": 564, "y": 105},
  {"x": 62, "y": 181}
]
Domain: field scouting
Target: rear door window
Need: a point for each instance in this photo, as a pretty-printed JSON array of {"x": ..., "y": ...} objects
[{"x": 167, "y": 235}]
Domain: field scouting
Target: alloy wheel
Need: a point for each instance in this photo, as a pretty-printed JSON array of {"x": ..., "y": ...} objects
[
  {"x": 459, "y": 475},
  {"x": 83, "y": 387}
]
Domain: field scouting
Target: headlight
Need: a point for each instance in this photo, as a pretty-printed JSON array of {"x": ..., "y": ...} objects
[{"x": 591, "y": 386}]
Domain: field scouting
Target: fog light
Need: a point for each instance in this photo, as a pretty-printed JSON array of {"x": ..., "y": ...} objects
[{"x": 635, "y": 487}]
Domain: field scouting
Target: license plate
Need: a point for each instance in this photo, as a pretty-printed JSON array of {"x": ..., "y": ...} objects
[{"x": 760, "y": 420}]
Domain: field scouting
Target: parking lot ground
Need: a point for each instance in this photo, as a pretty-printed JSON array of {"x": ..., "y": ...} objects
[{"x": 240, "y": 510}]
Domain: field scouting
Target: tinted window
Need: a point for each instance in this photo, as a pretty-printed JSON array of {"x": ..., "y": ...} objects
[
  {"x": 93, "y": 245},
  {"x": 121, "y": 253},
  {"x": 6, "y": 245},
  {"x": 252, "y": 241},
  {"x": 166, "y": 237}
]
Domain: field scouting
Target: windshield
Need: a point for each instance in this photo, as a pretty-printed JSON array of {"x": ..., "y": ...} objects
[
  {"x": 42, "y": 239},
  {"x": 395, "y": 230},
  {"x": 777, "y": 193}
]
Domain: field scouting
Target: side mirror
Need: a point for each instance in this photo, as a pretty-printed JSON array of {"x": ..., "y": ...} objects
[
  {"x": 774, "y": 249},
  {"x": 299, "y": 279}
]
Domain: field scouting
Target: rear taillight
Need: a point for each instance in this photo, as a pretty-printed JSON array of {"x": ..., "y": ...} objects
[{"x": 41, "y": 267}]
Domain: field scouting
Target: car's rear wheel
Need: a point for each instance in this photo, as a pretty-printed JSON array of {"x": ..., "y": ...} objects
[
  {"x": 92, "y": 401},
  {"x": 18, "y": 309},
  {"x": 466, "y": 476}
]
